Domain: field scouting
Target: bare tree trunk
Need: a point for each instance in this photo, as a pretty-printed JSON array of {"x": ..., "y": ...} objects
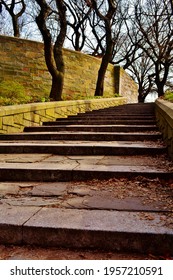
[
  {"x": 53, "y": 54},
  {"x": 109, "y": 41},
  {"x": 56, "y": 88},
  {"x": 161, "y": 81},
  {"x": 103, "y": 67},
  {"x": 16, "y": 30},
  {"x": 56, "y": 92}
]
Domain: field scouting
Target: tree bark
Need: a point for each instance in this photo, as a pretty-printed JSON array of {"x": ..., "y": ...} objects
[
  {"x": 109, "y": 42},
  {"x": 161, "y": 81},
  {"x": 53, "y": 54},
  {"x": 16, "y": 30},
  {"x": 104, "y": 64}
]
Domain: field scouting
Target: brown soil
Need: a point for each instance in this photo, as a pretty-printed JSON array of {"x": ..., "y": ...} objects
[{"x": 33, "y": 253}]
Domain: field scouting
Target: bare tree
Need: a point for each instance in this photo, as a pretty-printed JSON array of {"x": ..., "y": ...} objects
[
  {"x": 96, "y": 38},
  {"x": 155, "y": 23},
  {"x": 171, "y": 2},
  {"x": 77, "y": 21},
  {"x": 15, "y": 8},
  {"x": 53, "y": 53},
  {"x": 105, "y": 12},
  {"x": 142, "y": 72}
]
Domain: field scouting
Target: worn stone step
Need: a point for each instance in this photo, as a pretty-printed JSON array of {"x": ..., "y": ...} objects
[
  {"x": 73, "y": 228},
  {"x": 97, "y": 128},
  {"x": 84, "y": 148},
  {"x": 108, "y": 117},
  {"x": 49, "y": 167},
  {"x": 44, "y": 173},
  {"x": 117, "y": 113},
  {"x": 126, "y": 110},
  {"x": 146, "y": 195},
  {"x": 82, "y": 135},
  {"x": 101, "y": 121}
]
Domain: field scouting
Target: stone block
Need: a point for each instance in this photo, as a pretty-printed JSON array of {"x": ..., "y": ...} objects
[
  {"x": 1, "y": 123},
  {"x": 8, "y": 120},
  {"x": 28, "y": 116},
  {"x": 50, "y": 112},
  {"x": 18, "y": 119}
]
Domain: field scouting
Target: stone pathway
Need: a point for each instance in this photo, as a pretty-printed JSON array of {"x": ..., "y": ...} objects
[{"x": 76, "y": 183}]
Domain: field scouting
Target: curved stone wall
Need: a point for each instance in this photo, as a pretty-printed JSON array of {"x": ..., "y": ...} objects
[{"x": 23, "y": 61}]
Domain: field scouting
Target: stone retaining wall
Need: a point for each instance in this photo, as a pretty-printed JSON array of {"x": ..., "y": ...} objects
[
  {"x": 164, "y": 117},
  {"x": 13, "y": 119},
  {"x": 23, "y": 61}
]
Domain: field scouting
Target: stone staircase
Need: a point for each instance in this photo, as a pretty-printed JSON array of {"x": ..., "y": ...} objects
[{"x": 96, "y": 180}]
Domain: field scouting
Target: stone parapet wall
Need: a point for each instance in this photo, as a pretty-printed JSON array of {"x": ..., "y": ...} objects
[
  {"x": 13, "y": 119},
  {"x": 23, "y": 61},
  {"x": 164, "y": 117}
]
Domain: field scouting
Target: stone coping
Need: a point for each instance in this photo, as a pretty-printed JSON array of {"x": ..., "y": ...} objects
[{"x": 45, "y": 105}]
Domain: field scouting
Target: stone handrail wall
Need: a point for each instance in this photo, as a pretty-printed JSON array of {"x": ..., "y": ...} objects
[
  {"x": 23, "y": 61},
  {"x": 164, "y": 117},
  {"x": 13, "y": 119}
]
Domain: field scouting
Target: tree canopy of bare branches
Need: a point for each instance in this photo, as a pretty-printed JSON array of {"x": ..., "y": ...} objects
[
  {"x": 15, "y": 8},
  {"x": 154, "y": 21}
]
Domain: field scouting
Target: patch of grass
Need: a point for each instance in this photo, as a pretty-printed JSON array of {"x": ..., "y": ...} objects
[
  {"x": 81, "y": 97},
  {"x": 37, "y": 97},
  {"x": 169, "y": 96},
  {"x": 12, "y": 93}
]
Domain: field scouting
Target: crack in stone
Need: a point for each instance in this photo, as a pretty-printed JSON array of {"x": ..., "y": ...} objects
[
  {"x": 100, "y": 160},
  {"x": 74, "y": 160},
  {"x": 46, "y": 157},
  {"x": 40, "y": 208}
]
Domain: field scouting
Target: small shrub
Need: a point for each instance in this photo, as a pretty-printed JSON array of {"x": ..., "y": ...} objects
[
  {"x": 169, "y": 96},
  {"x": 12, "y": 92}
]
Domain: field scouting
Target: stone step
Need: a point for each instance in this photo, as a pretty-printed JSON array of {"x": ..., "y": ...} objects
[
  {"x": 117, "y": 113},
  {"x": 73, "y": 228},
  {"x": 57, "y": 173},
  {"x": 125, "y": 110},
  {"x": 83, "y": 148},
  {"x": 101, "y": 121},
  {"x": 95, "y": 128},
  {"x": 51, "y": 167},
  {"x": 108, "y": 117},
  {"x": 82, "y": 135}
]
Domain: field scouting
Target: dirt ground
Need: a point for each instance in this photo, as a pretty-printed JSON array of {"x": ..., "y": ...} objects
[{"x": 36, "y": 253}]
